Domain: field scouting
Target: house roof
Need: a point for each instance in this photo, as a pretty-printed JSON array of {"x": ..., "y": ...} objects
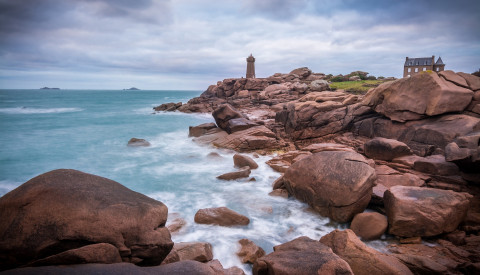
[
  {"x": 439, "y": 61},
  {"x": 420, "y": 61}
]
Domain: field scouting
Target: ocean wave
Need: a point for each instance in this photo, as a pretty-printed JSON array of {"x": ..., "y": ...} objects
[{"x": 27, "y": 110}]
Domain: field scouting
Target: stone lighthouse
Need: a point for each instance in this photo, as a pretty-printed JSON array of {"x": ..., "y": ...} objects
[{"x": 250, "y": 66}]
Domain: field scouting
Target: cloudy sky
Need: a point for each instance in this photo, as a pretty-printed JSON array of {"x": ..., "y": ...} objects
[{"x": 190, "y": 44}]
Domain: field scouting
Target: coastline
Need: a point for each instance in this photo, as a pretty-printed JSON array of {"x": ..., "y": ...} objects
[{"x": 301, "y": 122}]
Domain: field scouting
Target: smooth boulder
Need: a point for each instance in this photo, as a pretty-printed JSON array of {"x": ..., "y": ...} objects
[
  {"x": 220, "y": 216},
  {"x": 301, "y": 256},
  {"x": 64, "y": 210},
  {"x": 240, "y": 160},
  {"x": 400, "y": 101},
  {"x": 244, "y": 172},
  {"x": 369, "y": 226},
  {"x": 337, "y": 184},
  {"x": 138, "y": 142},
  {"x": 195, "y": 251},
  {"x": 420, "y": 211}
]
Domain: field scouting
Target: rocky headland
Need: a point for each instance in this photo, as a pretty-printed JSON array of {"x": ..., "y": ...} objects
[{"x": 402, "y": 160}]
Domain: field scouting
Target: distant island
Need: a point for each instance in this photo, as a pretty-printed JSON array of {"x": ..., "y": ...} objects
[
  {"x": 132, "y": 89},
  {"x": 47, "y": 88}
]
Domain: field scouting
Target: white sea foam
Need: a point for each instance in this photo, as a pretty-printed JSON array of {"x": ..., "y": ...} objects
[
  {"x": 7, "y": 186},
  {"x": 28, "y": 111}
]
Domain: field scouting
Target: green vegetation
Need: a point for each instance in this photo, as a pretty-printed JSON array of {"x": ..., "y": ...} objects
[{"x": 356, "y": 87}]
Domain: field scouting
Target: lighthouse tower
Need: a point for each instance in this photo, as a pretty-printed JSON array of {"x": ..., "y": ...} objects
[{"x": 250, "y": 66}]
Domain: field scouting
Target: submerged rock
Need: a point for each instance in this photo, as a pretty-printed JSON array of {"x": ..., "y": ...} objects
[
  {"x": 65, "y": 210},
  {"x": 138, "y": 142},
  {"x": 337, "y": 184}
]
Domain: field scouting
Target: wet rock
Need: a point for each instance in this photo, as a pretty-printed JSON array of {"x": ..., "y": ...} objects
[
  {"x": 361, "y": 258},
  {"x": 168, "y": 107},
  {"x": 243, "y": 160},
  {"x": 399, "y": 100},
  {"x": 200, "y": 130},
  {"x": 244, "y": 172},
  {"x": 301, "y": 256},
  {"x": 224, "y": 113},
  {"x": 219, "y": 270},
  {"x": 88, "y": 210},
  {"x": 336, "y": 184},
  {"x": 369, "y": 226},
  {"x": 278, "y": 183},
  {"x": 420, "y": 211},
  {"x": 436, "y": 165},
  {"x": 220, "y": 216},
  {"x": 386, "y": 149},
  {"x": 249, "y": 251},
  {"x": 175, "y": 223},
  {"x": 195, "y": 251},
  {"x": 279, "y": 193},
  {"x": 138, "y": 142}
]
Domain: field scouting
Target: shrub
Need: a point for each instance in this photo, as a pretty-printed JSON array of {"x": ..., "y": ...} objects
[
  {"x": 477, "y": 73},
  {"x": 371, "y": 77}
]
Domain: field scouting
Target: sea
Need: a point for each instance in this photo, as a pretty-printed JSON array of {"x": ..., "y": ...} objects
[{"x": 88, "y": 130}]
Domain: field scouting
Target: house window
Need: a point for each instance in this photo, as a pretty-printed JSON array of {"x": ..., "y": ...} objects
[
  {"x": 416, "y": 70},
  {"x": 409, "y": 69},
  {"x": 408, "y": 75},
  {"x": 438, "y": 69},
  {"x": 424, "y": 69}
]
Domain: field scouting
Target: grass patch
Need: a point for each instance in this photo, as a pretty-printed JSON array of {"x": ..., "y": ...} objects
[{"x": 356, "y": 87}]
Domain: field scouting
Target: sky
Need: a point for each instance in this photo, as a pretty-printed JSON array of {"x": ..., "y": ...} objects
[{"x": 191, "y": 44}]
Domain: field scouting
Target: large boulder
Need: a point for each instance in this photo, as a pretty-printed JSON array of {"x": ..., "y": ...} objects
[
  {"x": 254, "y": 138},
  {"x": 301, "y": 256},
  {"x": 200, "y": 130},
  {"x": 436, "y": 165},
  {"x": 220, "y": 216},
  {"x": 419, "y": 211},
  {"x": 319, "y": 85},
  {"x": 415, "y": 97},
  {"x": 303, "y": 72},
  {"x": 465, "y": 152},
  {"x": 337, "y": 184},
  {"x": 64, "y": 210},
  {"x": 224, "y": 113},
  {"x": 362, "y": 259},
  {"x": 386, "y": 149}
]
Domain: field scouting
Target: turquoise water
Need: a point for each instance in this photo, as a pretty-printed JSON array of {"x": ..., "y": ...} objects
[{"x": 42, "y": 130}]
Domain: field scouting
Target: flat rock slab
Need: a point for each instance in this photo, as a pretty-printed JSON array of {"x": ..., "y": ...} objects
[
  {"x": 65, "y": 210},
  {"x": 421, "y": 211},
  {"x": 220, "y": 216}
]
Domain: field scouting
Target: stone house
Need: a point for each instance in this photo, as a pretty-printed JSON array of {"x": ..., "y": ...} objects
[{"x": 416, "y": 65}]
